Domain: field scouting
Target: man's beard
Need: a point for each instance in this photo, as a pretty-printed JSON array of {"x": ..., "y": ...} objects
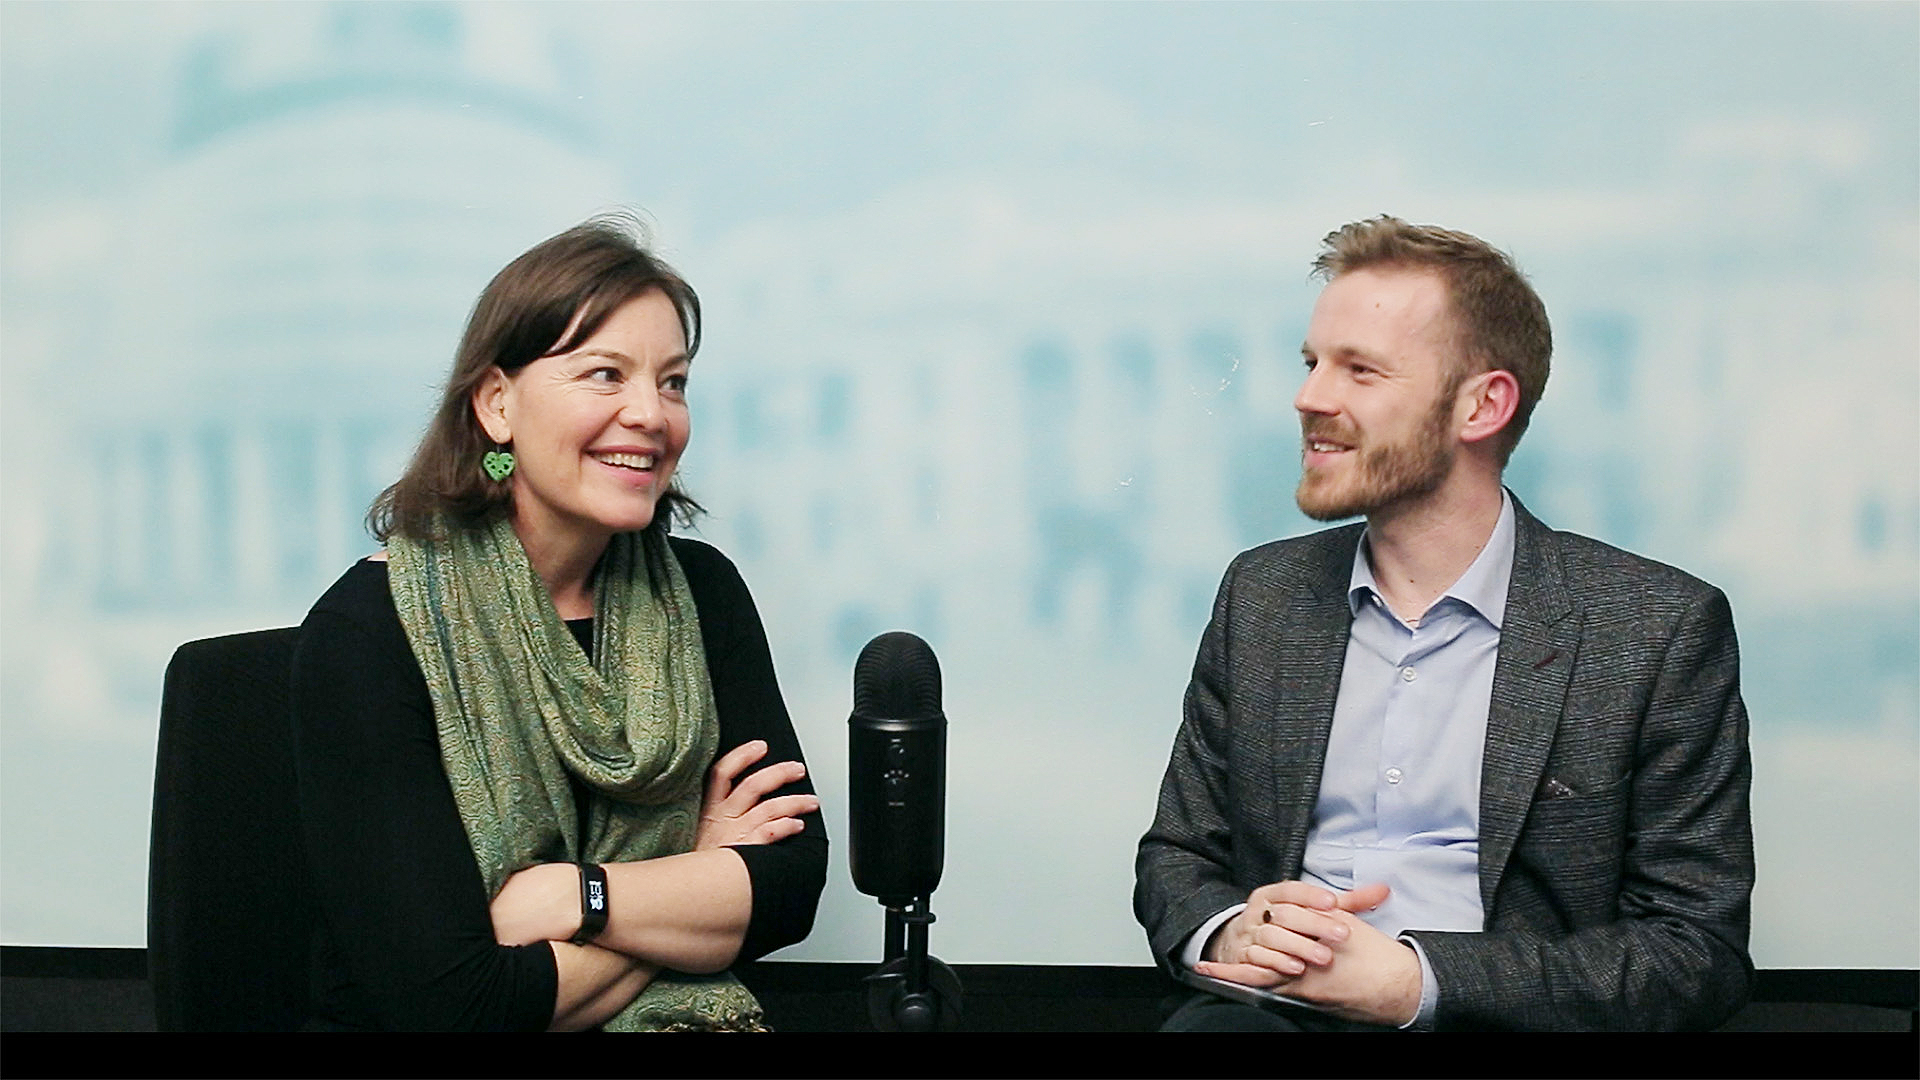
[{"x": 1379, "y": 476}]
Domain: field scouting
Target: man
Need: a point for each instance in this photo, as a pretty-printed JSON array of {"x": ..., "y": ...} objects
[{"x": 1450, "y": 769}]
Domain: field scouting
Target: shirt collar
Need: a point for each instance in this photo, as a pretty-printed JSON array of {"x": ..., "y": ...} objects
[{"x": 1484, "y": 585}]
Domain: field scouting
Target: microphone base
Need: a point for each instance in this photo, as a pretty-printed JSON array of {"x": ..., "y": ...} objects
[
  {"x": 891, "y": 1006},
  {"x": 912, "y": 991}
]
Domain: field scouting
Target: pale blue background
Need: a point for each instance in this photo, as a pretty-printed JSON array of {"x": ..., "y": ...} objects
[{"x": 1004, "y": 304}]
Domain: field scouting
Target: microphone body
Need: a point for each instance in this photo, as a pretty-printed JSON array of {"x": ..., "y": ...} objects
[{"x": 897, "y": 770}]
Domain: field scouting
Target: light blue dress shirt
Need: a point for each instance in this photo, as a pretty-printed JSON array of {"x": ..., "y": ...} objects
[
  {"x": 1399, "y": 797},
  {"x": 1400, "y": 793}
]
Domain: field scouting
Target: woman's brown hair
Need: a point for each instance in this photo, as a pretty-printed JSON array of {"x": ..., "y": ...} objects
[{"x": 574, "y": 280}]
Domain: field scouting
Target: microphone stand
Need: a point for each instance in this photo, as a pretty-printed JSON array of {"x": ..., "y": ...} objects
[{"x": 912, "y": 991}]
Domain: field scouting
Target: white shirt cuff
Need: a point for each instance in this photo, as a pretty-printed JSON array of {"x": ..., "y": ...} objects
[
  {"x": 1193, "y": 951},
  {"x": 1429, "y": 991}
]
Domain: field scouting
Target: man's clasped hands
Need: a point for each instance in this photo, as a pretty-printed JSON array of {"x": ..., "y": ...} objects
[{"x": 1308, "y": 943}]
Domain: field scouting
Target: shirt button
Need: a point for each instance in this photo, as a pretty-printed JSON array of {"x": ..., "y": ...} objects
[
  {"x": 1407, "y": 674},
  {"x": 1393, "y": 776}
]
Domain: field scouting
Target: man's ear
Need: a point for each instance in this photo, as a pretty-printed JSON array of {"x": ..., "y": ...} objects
[
  {"x": 1489, "y": 400},
  {"x": 490, "y": 406}
]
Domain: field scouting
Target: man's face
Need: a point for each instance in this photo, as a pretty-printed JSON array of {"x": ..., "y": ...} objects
[{"x": 1377, "y": 420}]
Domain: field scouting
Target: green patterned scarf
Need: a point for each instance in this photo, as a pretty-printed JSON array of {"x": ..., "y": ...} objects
[{"x": 519, "y": 707}]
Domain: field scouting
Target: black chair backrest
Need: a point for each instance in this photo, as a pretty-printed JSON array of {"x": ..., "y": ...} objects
[{"x": 229, "y": 911}]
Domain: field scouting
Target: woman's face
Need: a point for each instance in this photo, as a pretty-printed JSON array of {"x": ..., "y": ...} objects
[{"x": 596, "y": 433}]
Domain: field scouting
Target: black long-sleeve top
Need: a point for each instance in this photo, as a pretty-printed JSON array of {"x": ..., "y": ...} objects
[{"x": 406, "y": 940}]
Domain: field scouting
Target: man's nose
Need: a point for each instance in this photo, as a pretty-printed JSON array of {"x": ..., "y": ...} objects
[{"x": 1314, "y": 396}]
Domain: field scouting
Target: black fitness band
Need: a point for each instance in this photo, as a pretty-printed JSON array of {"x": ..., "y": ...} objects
[{"x": 593, "y": 902}]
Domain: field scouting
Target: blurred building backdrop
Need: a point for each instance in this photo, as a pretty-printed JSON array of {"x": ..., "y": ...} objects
[{"x": 1004, "y": 307}]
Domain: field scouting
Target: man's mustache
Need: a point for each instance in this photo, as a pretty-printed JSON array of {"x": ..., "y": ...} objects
[{"x": 1327, "y": 429}]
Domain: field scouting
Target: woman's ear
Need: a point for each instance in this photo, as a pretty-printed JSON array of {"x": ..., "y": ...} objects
[{"x": 490, "y": 406}]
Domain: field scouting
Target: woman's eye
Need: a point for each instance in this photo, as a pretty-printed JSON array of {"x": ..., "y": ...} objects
[
  {"x": 604, "y": 374},
  {"x": 676, "y": 383}
]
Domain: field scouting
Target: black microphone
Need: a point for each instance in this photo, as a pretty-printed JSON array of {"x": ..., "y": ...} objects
[{"x": 897, "y": 770}]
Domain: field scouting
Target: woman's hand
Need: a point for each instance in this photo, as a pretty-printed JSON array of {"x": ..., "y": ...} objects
[
  {"x": 737, "y": 814},
  {"x": 540, "y": 903}
]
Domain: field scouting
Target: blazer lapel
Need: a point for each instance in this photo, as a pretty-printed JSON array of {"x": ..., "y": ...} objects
[
  {"x": 1310, "y": 652},
  {"x": 1538, "y": 644}
]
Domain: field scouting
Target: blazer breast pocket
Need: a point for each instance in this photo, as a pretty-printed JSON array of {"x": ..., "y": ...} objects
[
  {"x": 1564, "y": 816},
  {"x": 1570, "y": 855}
]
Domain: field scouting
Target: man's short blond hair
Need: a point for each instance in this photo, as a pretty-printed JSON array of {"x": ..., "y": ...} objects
[{"x": 1499, "y": 322}]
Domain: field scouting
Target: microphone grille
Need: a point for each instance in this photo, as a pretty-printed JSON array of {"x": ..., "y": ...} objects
[{"x": 896, "y": 678}]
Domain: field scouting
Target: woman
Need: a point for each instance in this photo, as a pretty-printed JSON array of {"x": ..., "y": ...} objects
[{"x": 535, "y": 688}]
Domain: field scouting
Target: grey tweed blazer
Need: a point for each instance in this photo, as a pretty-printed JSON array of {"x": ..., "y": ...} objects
[{"x": 1616, "y": 846}]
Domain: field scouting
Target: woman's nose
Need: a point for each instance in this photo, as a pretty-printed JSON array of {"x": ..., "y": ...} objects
[{"x": 641, "y": 407}]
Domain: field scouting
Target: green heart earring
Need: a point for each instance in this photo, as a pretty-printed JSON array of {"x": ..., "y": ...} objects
[{"x": 498, "y": 464}]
